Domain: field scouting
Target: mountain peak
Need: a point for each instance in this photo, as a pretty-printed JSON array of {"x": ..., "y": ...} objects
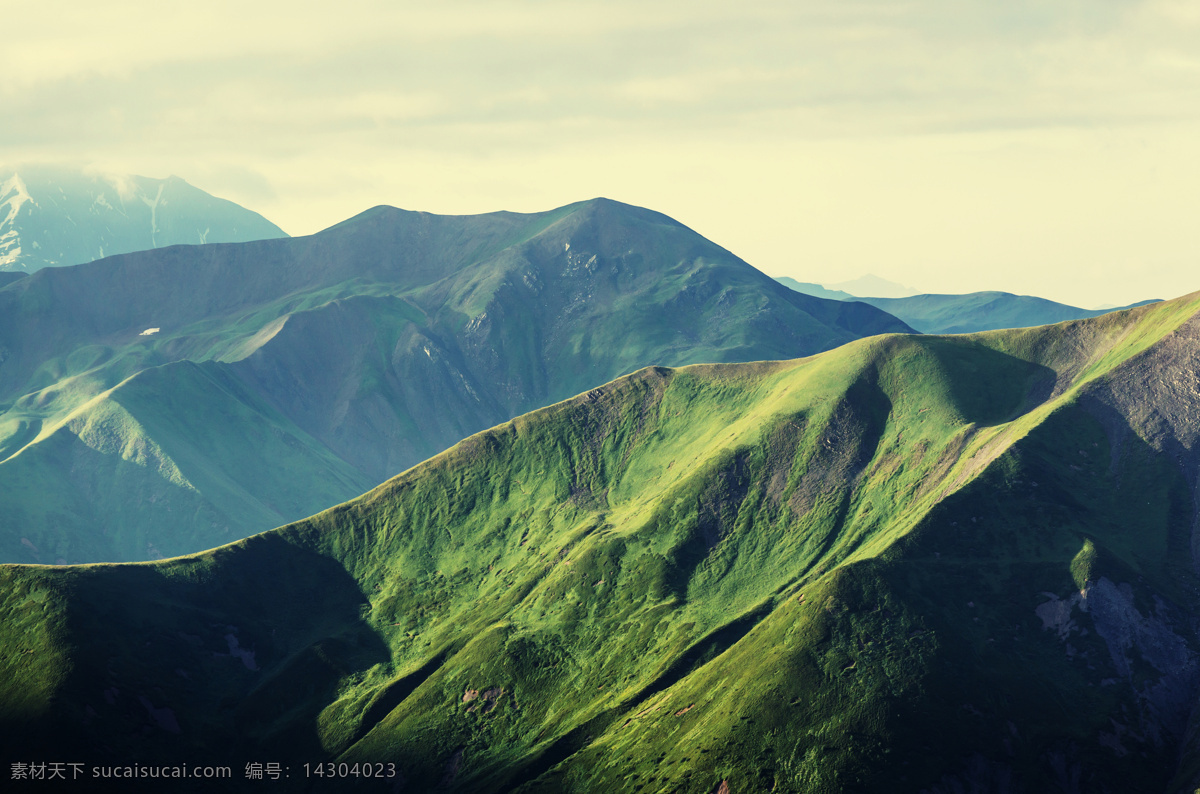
[
  {"x": 53, "y": 214},
  {"x": 607, "y": 206},
  {"x": 388, "y": 338}
]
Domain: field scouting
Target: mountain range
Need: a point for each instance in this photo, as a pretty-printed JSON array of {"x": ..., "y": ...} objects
[
  {"x": 816, "y": 290},
  {"x": 873, "y": 285},
  {"x": 55, "y": 215},
  {"x": 966, "y": 313},
  {"x": 911, "y": 563},
  {"x": 981, "y": 311},
  {"x": 166, "y": 401}
]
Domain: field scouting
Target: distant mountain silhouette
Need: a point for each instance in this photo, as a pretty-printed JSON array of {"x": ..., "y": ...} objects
[
  {"x": 968, "y": 313},
  {"x": 873, "y": 286},
  {"x": 52, "y": 215}
]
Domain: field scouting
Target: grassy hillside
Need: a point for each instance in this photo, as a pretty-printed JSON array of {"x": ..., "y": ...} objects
[
  {"x": 907, "y": 564},
  {"x": 289, "y": 375}
]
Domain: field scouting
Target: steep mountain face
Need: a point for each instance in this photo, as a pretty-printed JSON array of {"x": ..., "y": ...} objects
[
  {"x": 913, "y": 564},
  {"x": 363, "y": 349},
  {"x": 965, "y": 314},
  {"x": 53, "y": 216}
]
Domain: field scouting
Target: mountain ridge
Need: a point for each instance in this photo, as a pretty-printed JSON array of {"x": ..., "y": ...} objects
[
  {"x": 383, "y": 340},
  {"x": 937, "y": 313},
  {"x": 984, "y": 311}
]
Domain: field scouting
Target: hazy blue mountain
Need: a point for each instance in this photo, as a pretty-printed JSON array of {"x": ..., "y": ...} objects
[
  {"x": 51, "y": 215},
  {"x": 167, "y": 401},
  {"x": 962, "y": 314},
  {"x": 873, "y": 285},
  {"x": 981, "y": 311},
  {"x": 816, "y": 290}
]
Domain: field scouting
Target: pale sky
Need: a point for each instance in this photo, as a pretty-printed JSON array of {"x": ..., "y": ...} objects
[{"x": 1046, "y": 147}]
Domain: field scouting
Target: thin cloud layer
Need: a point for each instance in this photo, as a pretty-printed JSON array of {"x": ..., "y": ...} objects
[{"x": 312, "y": 113}]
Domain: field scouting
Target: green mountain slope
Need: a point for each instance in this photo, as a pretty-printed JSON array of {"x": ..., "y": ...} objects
[
  {"x": 158, "y": 464},
  {"x": 965, "y": 314},
  {"x": 907, "y": 564},
  {"x": 364, "y": 349}
]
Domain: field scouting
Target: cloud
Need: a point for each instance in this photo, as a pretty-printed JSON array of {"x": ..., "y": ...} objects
[
  {"x": 262, "y": 79},
  {"x": 811, "y": 69},
  {"x": 309, "y": 112}
]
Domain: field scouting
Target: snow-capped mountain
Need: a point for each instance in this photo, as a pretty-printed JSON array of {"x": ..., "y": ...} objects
[{"x": 52, "y": 215}]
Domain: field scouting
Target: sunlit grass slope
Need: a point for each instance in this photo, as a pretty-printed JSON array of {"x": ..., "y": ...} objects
[
  {"x": 356, "y": 352},
  {"x": 907, "y": 564}
]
